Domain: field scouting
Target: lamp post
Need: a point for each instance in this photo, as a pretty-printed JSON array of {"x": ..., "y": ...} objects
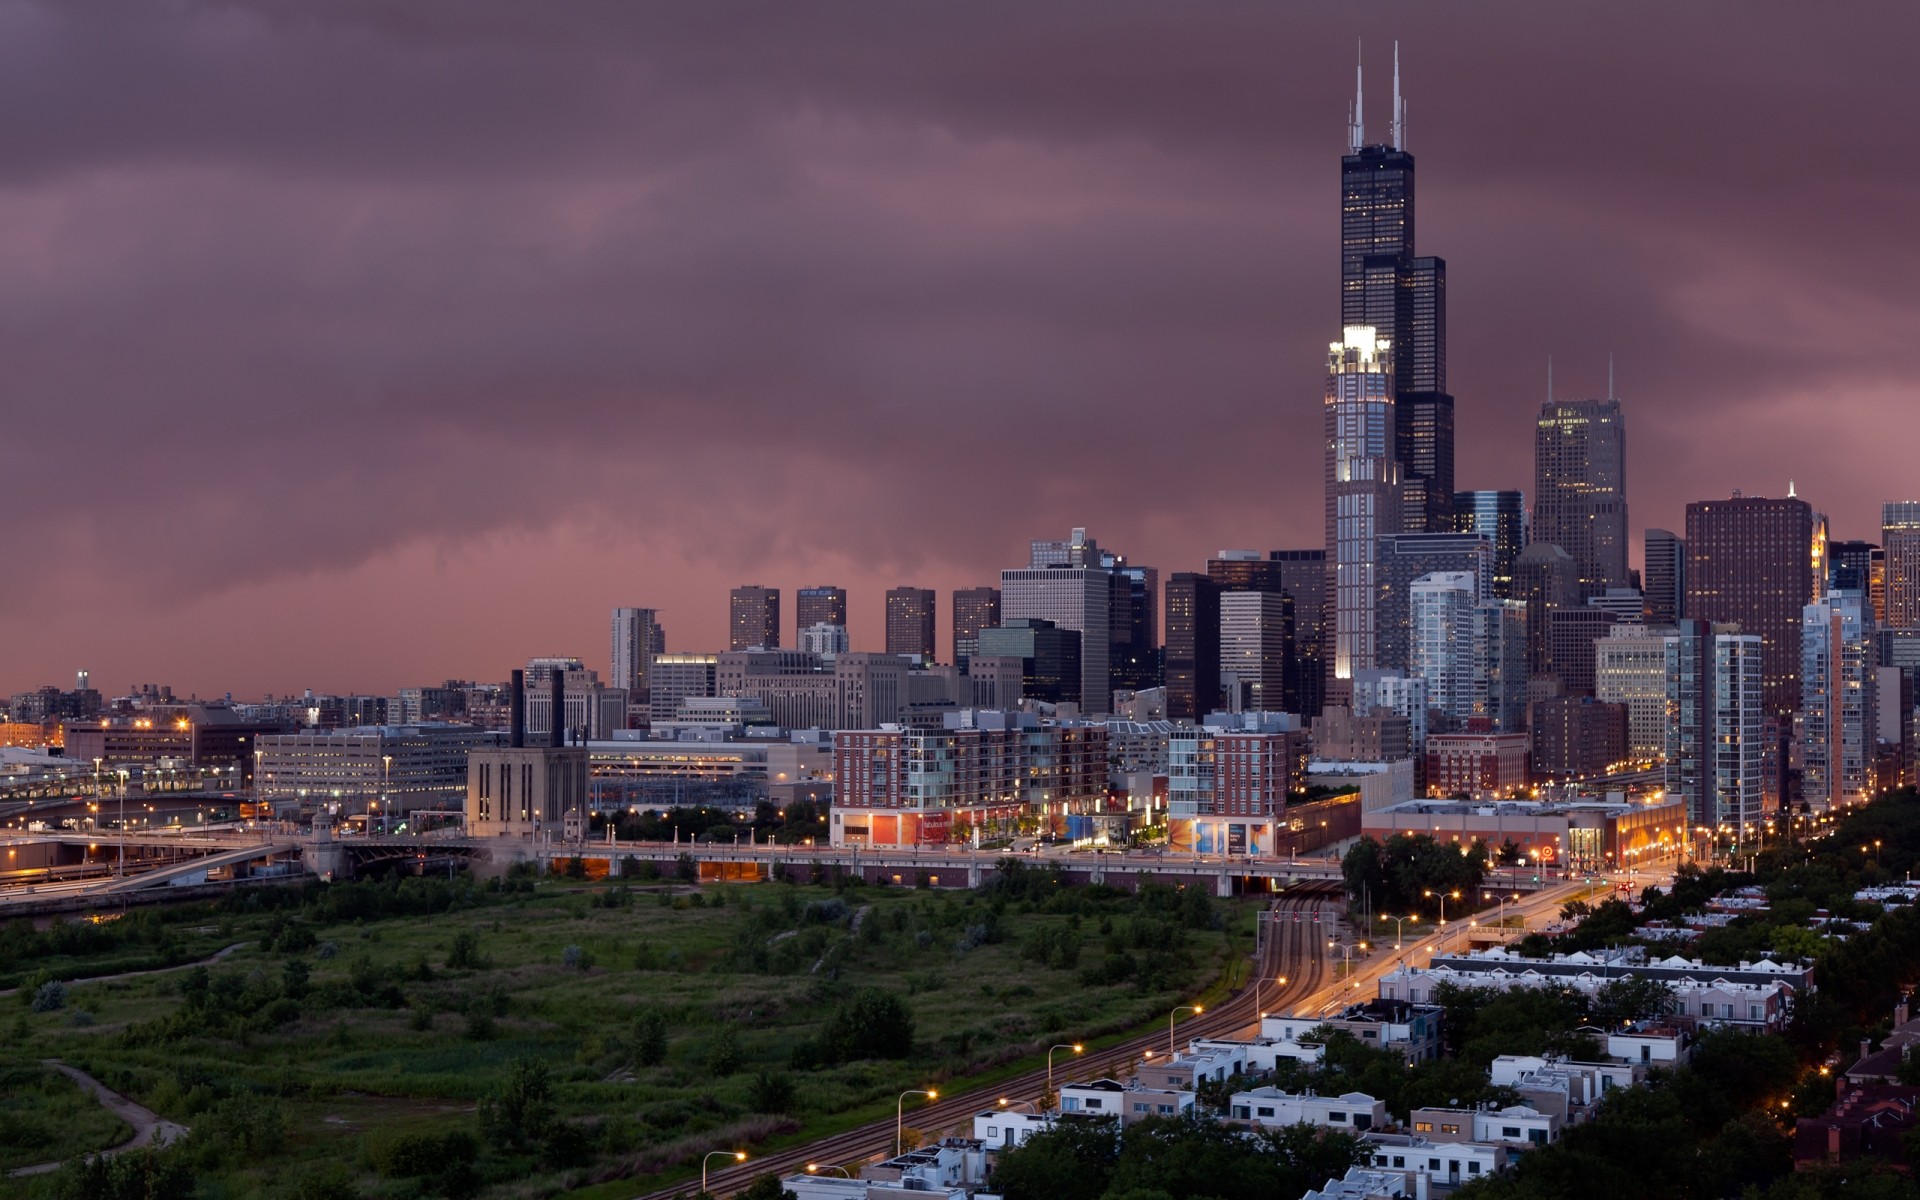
[
  {"x": 1257, "y": 981},
  {"x": 816, "y": 1168},
  {"x": 120, "y": 867},
  {"x": 900, "y": 1115},
  {"x": 1076, "y": 1047},
  {"x": 1442, "y": 897},
  {"x": 735, "y": 1155},
  {"x": 1399, "y": 926},
  {"x": 386, "y": 784},
  {"x": 1004, "y": 1103},
  {"x": 1192, "y": 1008}
]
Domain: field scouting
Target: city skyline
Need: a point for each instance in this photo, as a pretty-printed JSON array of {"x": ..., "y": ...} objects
[{"x": 270, "y": 370}]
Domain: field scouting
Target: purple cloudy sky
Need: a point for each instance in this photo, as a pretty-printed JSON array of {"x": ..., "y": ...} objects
[{"x": 352, "y": 345}]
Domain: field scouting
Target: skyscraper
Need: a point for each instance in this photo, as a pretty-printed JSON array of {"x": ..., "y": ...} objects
[
  {"x": 1547, "y": 581},
  {"x": 1065, "y": 583},
  {"x": 1363, "y": 494},
  {"x": 1403, "y": 297},
  {"x": 910, "y": 622},
  {"x": 1715, "y": 726},
  {"x": 1256, "y": 640},
  {"x": 1442, "y": 606},
  {"x": 820, "y": 605},
  {"x": 974, "y": 609},
  {"x": 1246, "y": 573},
  {"x": 1136, "y": 624},
  {"x": 1303, "y": 576},
  {"x": 1750, "y": 562},
  {"x": 1405, "y": 557},
  {"x": 1193, "y": 646},
  {"x": 1501, "y": 518},
  {"x": 1664, "y": 577},
  {"x": 1839, "y": 721},
  {"x": 1900, "y": 540},
  {"x": 636, "y": 639},
  {"x": 753, "y": 618},
  {"x": 1580, "y": 488}
]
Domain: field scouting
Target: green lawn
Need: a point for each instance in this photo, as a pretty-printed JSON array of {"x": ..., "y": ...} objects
[{"x": 386, "y": 1041}]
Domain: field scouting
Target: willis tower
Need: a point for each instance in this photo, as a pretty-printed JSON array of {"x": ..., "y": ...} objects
[{"x": 1403, "y": 296}]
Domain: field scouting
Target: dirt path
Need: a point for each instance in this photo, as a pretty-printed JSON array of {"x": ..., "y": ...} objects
[
  {"x": 149, "y": 1128},
  {"x": 215, "y": 957}
]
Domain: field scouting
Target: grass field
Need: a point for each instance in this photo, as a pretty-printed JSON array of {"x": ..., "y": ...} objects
[
  {"x": 341, "y": 1046},
  {"x": 45, "y": 1116}
]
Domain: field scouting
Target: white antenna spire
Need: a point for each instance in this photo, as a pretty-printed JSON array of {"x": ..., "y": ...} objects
[
  {"x": 1356, "y": 122},
  {"x": 1790, "y": 492},
  {"x": 1399, "y": 105}
]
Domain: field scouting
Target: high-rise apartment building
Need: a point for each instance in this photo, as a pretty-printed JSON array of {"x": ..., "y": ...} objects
[
  {"x": 1900, "y": 543},
  {"x": 1193, "y": 646},
  {"x": 1715, "y": 725},
  {"x": 637, "y": 637},
  {"x": 1405, "y": 557},
  {"x": 974, "y": 609},
  {"x": 822, "y": 604},
  {"x": 1839, "y": 720},
  {"x": 1362, "y": 499},
  {"x": 1442, "y": 606},
  {"x": 1501, "y": 518},
  {"x": 753, "y": 618},
  {"x": 1249, "y": 573},
  {"x": 1580, "y": 488},
  {"x": 1256, "y": 643},
  {"x": 1750, "y": 562},
  {"x": 1384, "y": 285},
  {"x": 1663, "y": 577},
  {"x": 910, "y": 622}
]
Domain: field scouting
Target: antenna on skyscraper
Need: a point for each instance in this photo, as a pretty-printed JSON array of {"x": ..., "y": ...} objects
[
  {"x": 1399, "y": 106},
  {"x": 1549, "y": 379},
  {"x": 1609, "y": 374},
  {"x": 1356, "y": 122}
]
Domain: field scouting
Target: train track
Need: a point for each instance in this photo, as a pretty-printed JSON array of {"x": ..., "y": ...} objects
[{"x": 1293, "y": 947}]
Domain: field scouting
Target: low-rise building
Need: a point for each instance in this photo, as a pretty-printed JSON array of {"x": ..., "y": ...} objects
[
  {"x": 1650, "y": 1044},
  {"x": 1867, "y": 1120},
  {"x": 1002, "y": 1128},
  {"x": 1264, "y": 1054},
  {"x": 1478, "y": 765},
  {"x": 950, "y": 1169},
  {"x": 1411, "y": 1029},
  {"x": 1583, "y": 834},
  {"x": 1515, "y": 1126},
  {"x": 1434, "y": 1164},
  {"x": 1129, "y": 1101},
  {"x": 1271, "y": 1108},
  {"x": 1361, "y": 1184},
  {"x": 1211, "y": 1062},
  {"x": 382, "y": 769},
  {"x": 1560, "y": 1087}
]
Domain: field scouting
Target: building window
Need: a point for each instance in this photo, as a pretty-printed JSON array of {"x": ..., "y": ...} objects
[{"x": 1423, "y": 1126}]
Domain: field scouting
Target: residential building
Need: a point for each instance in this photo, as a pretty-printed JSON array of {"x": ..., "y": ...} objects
[
  {"x": 1227, "y": 789},
  {"x": 1411, "y": 1030},
  {"x": 822, "y": 604},
  {"x": 1715, "y": 727},
  {"x": 1867, "y": 1121},
  {"x": 1547, "y": 580},
  {"x": 1271, "y": 1108},
  {"x": 1442, "y": 606},
  {"x": 1900, "y": 545},
  {"x": 1303, "y": 575},
  {"x": 1394, "y": 692},
  {"x": 1750, "y": 562},
  {"x": 1577, "y": 737},
  {"x": 637, "y": 637},
  {"x": 1580, "y": 488},
  {"x": 1406, "y": 557},
  {"x": 826, "y": 641},
  {"x": 1435, "y": 1164},
  {"x": 1130, "y": 1102},
  {"x": 1256, "y": 646},
  {"x": 974, "y": 609},
  {"x": 1839, "y": 721},
  {"x": 1630, "y": 669},
  {"x": 589, "y": 707},
  {"x": 753, "y": 618},
  {"x": 1363, "y": 496},
  {"x": 1501, "y": 518},
  {"x": 1571, "y": 635},
  {"x": 1516, "y": 1125},
  {"x": 910, "y": 622},
  {"x": 1342, "y": 735}
]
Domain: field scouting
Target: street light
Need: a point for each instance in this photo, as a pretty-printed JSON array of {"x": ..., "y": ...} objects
[
  {"x": 900, "y": 1115},
  {"x": 1399, "y": 926},
  {"x": 816, "y": 1168},
  {"x": 1442, "y": 897},
  {"x": 1192, "y": 1008},
  {"x": 1004, "y": 1102},
  {"x": 1076, "y": 1047},
  {"x": 1257, "y": 981},
  {"x": 735, "y": 1155}
]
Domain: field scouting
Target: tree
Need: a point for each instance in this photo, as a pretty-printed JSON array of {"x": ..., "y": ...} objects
[
  {"x": 766, "y": 1187},
  {"x": 649, "y": 1039},
  {"x": 520, "y": 1110},
  {"x": 1073, "y": 1160},
  {"x": 723, "y": 1052},
  {"x": 873, "y": 1023}
]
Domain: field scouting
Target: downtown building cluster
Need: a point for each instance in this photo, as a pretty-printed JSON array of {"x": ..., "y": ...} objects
[{"x": 1438, "y": 644}]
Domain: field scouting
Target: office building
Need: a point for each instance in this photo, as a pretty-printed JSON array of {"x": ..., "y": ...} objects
[
  {"x": 1630, "y": 669},
  {"x": 1501, "y": 518},
  {"x": 827, "y": 641},
  {"x": 1580, "y": 488},
  {"x": 1478, "y": 765},
  {"x": 1402, "y": 296},
  {"x": 822, "y": 604},
  {"x": 1394, "y": 692},
  {"x": 678, "y": 677},
  {"x": 1664, "y": 577},
  {"x": 1571, "y": 635},
  {"x": 1193, "y": 646},
  {"x": 1715, "y": 725},
  {"x": 1546, "y": 580},
  {"x": 1064, "y": 583},
  {"x": 1050, "y": 657},
  {"x": 1900, "y": 543},
  {"x": 1852, "y": 566},
  {"x": 1362, "y": 497},
  {"x": 754, "y": 618},
  {"x": 1750, "y": 562},
  {"x": 1135, "y": 634},
  {"x": 1839, "y": 721},
  {"x": 1500, "y": 663},
  {"x": 590, "y": 708},
  {"x": 1256, "y": 643},
  {"x": 974, "y": 609},
  {"x": 910, "y": 622},
  {"x": 1405, "y": 557},
  {"x": 1303, "y": 576},
  {"x": 382, "y": 771},
  {"x": 637, "y": 637}
]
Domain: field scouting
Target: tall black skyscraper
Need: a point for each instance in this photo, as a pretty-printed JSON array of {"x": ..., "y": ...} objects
[{"x": 1404, "y": 297}]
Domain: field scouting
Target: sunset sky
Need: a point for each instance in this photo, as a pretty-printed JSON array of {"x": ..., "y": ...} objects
[{"x": 357, "y": 345}]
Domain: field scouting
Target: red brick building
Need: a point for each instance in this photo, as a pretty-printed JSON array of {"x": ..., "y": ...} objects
[{"x": 1477, "y": 764}]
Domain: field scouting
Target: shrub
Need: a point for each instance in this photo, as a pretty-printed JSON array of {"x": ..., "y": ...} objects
[
  {"x": 772, "y": 1092},
  {"x": 723, "y": 1053},
  {"x": 464, "y": 954},
  {"x": 50, "y": 996}
]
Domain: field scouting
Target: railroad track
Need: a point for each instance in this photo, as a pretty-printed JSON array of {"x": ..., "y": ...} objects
[{"x": 1294, "y": 948}]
